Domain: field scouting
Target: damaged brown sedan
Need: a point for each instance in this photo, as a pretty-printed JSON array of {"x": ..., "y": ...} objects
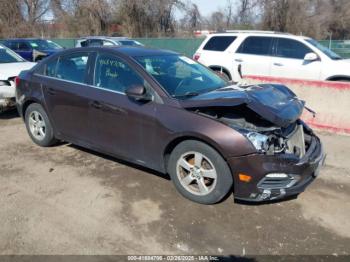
[{"x": 166, "y": 112}]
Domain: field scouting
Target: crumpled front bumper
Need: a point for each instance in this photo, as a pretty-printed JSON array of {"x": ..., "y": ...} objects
[
  {"x": 258, "y": 166},
  {"x": 7, "y": 97}
]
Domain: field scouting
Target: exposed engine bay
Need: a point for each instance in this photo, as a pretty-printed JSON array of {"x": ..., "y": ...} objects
[
  {"x": 266, "y": 114},
  {"x": 265, "y": 136}
]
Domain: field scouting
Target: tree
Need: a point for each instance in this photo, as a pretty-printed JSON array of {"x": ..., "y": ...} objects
[
  {"x": 148, "y": 18},
  {"x": 11, "y": 18}
]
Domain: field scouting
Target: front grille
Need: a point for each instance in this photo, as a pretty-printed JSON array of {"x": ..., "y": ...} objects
[{"x": 277, "y": 182}]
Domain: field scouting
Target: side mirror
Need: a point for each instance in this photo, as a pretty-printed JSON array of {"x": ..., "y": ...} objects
[
  {"x": 138, "y": 92},
  {"x": 311, "y": 57}
]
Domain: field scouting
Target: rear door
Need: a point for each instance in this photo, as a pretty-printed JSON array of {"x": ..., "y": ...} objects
[
  {"x": 25, "y": 50},
  {"x": 215, "y": 52},
  {"x": 288, "y": 60},
  {"x": 65, "y": 95},
  {"x": 253, "y": 56}
]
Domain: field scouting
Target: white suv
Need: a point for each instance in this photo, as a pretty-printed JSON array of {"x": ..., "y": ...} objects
[{"x": 262, "y": 53}]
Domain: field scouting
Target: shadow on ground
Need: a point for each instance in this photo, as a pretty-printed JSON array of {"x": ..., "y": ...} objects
[{"x": 10, "y": 114}]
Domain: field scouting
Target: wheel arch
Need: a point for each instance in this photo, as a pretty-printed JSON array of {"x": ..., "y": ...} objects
[
  {"x": 219, "y": 68},
  {"x": 338, "y": 78},
  {"x": 27, "y": 103},
  {"x": 176, "y": 141}
]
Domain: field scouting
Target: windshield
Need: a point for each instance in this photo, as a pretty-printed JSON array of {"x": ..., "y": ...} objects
[
  {"x": 180, "y": 76},
  {"x": 44, "y": 45},
  {"x": 324, "y": 49},
  {"x": 8, "y": 56}
]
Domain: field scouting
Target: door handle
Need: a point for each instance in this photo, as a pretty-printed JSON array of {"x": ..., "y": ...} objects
[
  {"x": 113, "y": 109},
  {"x": 96, "y": 105},
  {"x": 277, "y": 64},
  {"x": 238, "y": 60},
  {"x": 51, "y": 91}
]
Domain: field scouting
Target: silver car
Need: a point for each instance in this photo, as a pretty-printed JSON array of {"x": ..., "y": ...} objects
[{"x": 106, "y": 41}]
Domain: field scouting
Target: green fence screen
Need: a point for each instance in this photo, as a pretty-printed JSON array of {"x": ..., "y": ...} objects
[
  {"x": 182, "y": 45},
  {"x": 188, "y": 46}
]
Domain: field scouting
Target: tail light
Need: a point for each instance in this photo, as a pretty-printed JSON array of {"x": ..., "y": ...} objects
[
  {"x": 17, "y": 81},
  {"x": 196, "y": 56}
]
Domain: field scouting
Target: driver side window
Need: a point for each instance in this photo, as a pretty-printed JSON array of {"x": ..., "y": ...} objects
[
  {"x": 114, "y": 74},
  {"x": 288, "y": 48}
]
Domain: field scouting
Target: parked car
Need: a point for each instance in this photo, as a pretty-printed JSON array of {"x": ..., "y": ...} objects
[
  {"x": 106, "y": 41},
  {"x": 33, "y": 49},
  {"x": 11, "y": 65},
  {"x": 169, "y": 113},
  {"x": 271, "y": 54}
]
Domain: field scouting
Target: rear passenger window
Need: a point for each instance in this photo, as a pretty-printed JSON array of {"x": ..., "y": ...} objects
[
  {"x": 256, "y": 45},
  {"x": 113, "y": 74},
  {"x": 23, "y": 46},
  {"x": 72, "y": 67},
  {"x": 219, "y": 43},
  {"x": 12, "y": 45},
  {"x": 291, "y": 49}
]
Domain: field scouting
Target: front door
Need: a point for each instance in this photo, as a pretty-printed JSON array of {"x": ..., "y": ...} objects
[
  {"x": 122, "y": 126},
  {"x": 288, "y": 61}
]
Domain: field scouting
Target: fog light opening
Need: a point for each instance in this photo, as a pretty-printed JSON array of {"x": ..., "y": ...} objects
[{"x": 244, "y": 178}]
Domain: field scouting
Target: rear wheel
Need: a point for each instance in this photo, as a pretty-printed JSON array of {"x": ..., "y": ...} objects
[
  {"x": 38, "y": 126},
  {"x": 199, "y": 172}
]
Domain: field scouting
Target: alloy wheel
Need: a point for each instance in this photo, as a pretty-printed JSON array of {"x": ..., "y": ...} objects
[
  {"x": 196, "y": 173},
  {"x": 37, "y": 125}
]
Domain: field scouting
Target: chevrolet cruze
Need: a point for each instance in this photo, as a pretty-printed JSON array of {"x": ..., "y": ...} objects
[{"x": 164, "y": 111}]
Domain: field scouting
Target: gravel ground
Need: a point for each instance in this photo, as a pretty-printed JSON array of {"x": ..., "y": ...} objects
[{"x": 68, "y": 200}]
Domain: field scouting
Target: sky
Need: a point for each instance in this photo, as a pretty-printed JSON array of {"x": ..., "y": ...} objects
[{"x": 206, "y": 7}]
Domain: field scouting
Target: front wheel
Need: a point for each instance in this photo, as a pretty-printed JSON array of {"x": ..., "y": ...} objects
[
  {"x": 199, "y": 172},
  {"x": 38, "y": 126}
]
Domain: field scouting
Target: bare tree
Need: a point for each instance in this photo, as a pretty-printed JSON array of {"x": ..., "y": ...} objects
[
  {"x": 11, "y": 18},
  {"x": 148, "y": 18},
  {"x": 35, "y": 9}
]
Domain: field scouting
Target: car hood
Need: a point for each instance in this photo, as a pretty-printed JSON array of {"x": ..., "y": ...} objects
[
  {"x": 275, "y": 103},
  {"x": 8, "y": 70}
]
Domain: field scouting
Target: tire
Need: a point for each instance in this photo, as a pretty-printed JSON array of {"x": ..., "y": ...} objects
[
  {"x": 38, "y": 126},
  {"x": 212, "y": 174}
]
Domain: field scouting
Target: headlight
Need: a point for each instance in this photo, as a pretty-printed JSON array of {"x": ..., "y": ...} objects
[{"x": 259, "y": 141}]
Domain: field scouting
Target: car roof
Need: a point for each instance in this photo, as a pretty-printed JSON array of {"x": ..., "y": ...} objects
[
  {"x": 132, "y": 51},
  {"x": 23, "y": 39},
  {"x": 140, "y": 51},
  {"x": 105, "y": 37},
  {"x": 258, "y": 33}
]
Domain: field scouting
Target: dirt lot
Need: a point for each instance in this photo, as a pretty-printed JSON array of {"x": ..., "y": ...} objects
[{"x": 66, "y": 200}]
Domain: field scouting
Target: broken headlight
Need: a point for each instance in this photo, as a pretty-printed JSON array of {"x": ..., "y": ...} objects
[{"x": 260, "y": 142}]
